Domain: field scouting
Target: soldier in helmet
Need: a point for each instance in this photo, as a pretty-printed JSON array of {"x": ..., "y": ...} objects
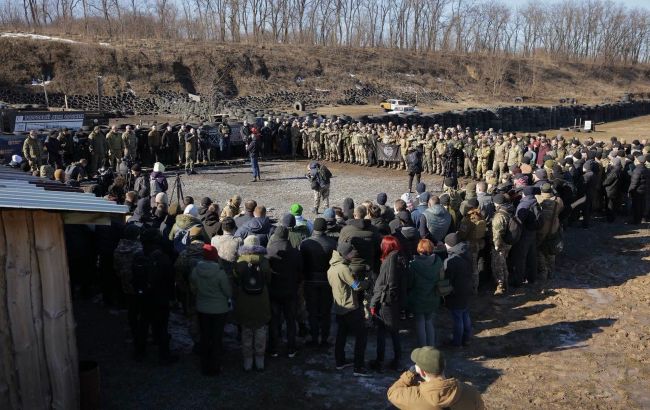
[
  {"x": 98, "y": 147},
  {"x": 33, "y": 150}
]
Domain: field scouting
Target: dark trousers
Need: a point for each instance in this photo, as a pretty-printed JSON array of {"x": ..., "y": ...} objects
[
  {"x": 142, "y": 314},
  {"x": 211, "y": 328},
  {"x": 224, "y": 147},
  {"x": 385, "y": 325},
  {"x": 283, "y": 307},
  {"x": 586, "y": 209},
  {"x": 612, "y": 209},
  {"x": 255, "y": 166},
  {"x": 462, "y": 326},
  {"x": 638, "y": 207},
  {"x": 417, "y": 180},
  {"x": 351, "y": 323},
  {"x": 524, "y": 258},
  {"x": 318, "y": 300}
]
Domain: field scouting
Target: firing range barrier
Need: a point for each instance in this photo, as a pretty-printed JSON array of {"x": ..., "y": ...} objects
[{"x": 520, "y": 118}]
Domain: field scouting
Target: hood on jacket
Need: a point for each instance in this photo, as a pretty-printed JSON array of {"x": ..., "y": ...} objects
[
  {"x": 410, "y": 232},
  {"x": 206, "y": 270},
  {"x": 461, "y": 249},
  {"x": 185, "y": 221},
  {"x": 359, "y": 223},
  {"x": 337, "y": 259},
  {"x": 348, "y": 208},
  {"x": 442, "y": 393},
  {"x": 252, "y": 250},
  {"x": 260, "y": 225},
  {"x": 194, "y": 250},
  {"x": 439, "y": 210}
]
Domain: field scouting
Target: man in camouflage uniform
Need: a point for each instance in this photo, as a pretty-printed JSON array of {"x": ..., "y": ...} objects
[
  {"x": 130, "y": 143},
  {"x": 441, "y": 148},
  {"x": 98, "y": 147},
  {"x": 362, "y": 146},
  {"x": 190, "y": 151},
  {"x": 348, "y": 150},
  {"x": 33, "y": 150},
  {"x": 115, "y": 147},
  {"x": 315, "y": 141},
  {"x": 515, "y": 154},
  {"x": 469, "y": 153},
  {"x": 500, "y": 249},
  {"x": 335, "y": 143},
  {"x": 306, "y": 145},
  {"x": 181, "y": 144},
  {"x": 295, "y": 138},
  {"x": 551, "y": 206},
  {"x": 483, "y": 164},
  {"x": 428, "y": 148},
  {"x": 500, "y": 153},
  {"x": 325, "y": 141}
]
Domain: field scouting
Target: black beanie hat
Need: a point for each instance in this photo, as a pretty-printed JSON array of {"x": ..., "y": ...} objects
[
  {"x": 452, "y": 239},
  {"x": 499, "y": 199},
  {"x": 206, "y": 202},
  {"x": 382, "y": 198},
  {"x": 288, "y": 220},
  {"x": 320, "y": 225}
]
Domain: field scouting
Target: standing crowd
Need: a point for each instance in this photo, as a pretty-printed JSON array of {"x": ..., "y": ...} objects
[{"x": 379, "y": 264}]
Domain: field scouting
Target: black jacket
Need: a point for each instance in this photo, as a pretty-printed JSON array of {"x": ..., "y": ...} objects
[
  {"x": 458, "y": 269},
  {"x": 640, "y": 181},
  {"x": 366, "y": 240},
  {"x": 316, "y": 254},
  {"x": 387, "y": 291},
  {"x": 613, "y": 182},
  {"x": 212, "y": 224},
  {"x": 286, "y": 264}
]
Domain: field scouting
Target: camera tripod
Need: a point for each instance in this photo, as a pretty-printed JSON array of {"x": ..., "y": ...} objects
[{"x": 177, "y": 188}]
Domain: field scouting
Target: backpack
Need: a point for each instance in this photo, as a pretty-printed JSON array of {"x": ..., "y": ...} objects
[
  {"x": 538, "y": 214},
  {"x": 252, "y": 279},
  {"x": 182, "y": 239},
  {"x": 548, "y": 210},
  {"x": 322, "y": 177},
  {"x": 143, "y": 268},
  {"x": 443, "y": 286},
  {"x": 513, "y": 233}
]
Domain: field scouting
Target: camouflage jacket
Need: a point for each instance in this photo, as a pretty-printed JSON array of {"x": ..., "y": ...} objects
[
  {"x": 32, "y": 149},
  {"x": 123, "y": 262}
]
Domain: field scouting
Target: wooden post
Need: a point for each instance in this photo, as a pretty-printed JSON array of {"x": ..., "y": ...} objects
[
  {"x": 58, "y": 320},
  {"x": 38, "y": 352}
]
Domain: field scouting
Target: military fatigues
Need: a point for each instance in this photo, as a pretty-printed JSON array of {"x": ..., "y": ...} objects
[
  {"x": 500, "y": 250},
  {"x": 514, "y": 155},
  {"x": 32, "y": 151},
  {"x": 190, "y": 151},
  {"x": 469, "y": 151},
  {"x": 115, "y": 148},
  {"x": 441, "y": 147},
  {"x": 98, "y": 147},
  {"x": 483, "y": 161},
  {"x": 428, "y": 148},
  {"x": 130, "y": 144},
  {"x": 348, "y": 150},
  {"x": 499, "y": 163}
]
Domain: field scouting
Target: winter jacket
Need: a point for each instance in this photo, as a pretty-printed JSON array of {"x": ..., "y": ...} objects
[
  {"x": 437, "y": 394},
  {"x": 286, "y": 265},
  {"x": 297, "y": 234},
  {"x": 408, "y": 238},
  {"x": 417, "y": 214},
  {"x": 211, "y": 224},
  {"x": 458, "y": 269},
  {"x": 345, "y": 288},
  {"x": 261, "y": 227},
  {"x": 423, "y": 277},
  {"x": 141, "y": 185},
  {"x": 316, "y": 253},
  {"x": 437, "y": 221},
  {"x": 123, "y": 262},
  {"x": 186, "y": 221},
  {"x": 240, "y": 220},
  {"x": 640, "y": 181},
  {"x": 211, "y": 286},
  {"x": 467, "y": 230},
  {"x": 381, "y": 225},
  {"x": 157, "y": 184},
  {"x": 387, "y": 213},
  {"x": 365, "y": 239},
  {"x": 348, "y": 208},
  {"x": 162, "y": 280},
  {"x": 252, "y": 310},
  {"x": 185, "y": 263},
  {"x": 486, "y": 205},
  {"x": 613, "y": 183},
  {"x": 500, "y": 226},
  {"x": 227, "y": 246},
  {"x": 386, "y": 293},
  {"x": 525, "y": 213}
]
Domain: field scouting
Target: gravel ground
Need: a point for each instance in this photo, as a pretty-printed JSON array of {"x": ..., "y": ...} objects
[{"x": 582, "y": 342}]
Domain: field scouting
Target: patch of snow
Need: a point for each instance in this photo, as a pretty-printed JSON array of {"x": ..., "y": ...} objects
[
  {"x": 38, "y": 37},
  {"x": 104, "y": 44}
]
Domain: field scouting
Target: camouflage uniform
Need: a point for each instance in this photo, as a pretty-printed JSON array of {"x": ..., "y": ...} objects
[
  {"x": 314, "y": 141},
  {"x": 469, "y": 151},
  {"x": 33, "y": 151},
  {"x": 115, "y": 148},
  {"x": 348, "y": 149},
  {"x": 123, "y": 261},
  {"x": 441, "y": 148},
  {"x": 130, "y": 144},
  {"x": 483, "y": 160},
  {"x": 514, "y": 155},
  {"x": 428, "y": 145},
  {"x": 551, "y": 208},
  {"x": 190, "y": 151},
  {"x": 98, "y": 147},
  {"x": 500, "y": 152},
  {"x": 403, "y": 149},
  {"x": 467, "y": 231},
  {"x": 500, "y": 249}
]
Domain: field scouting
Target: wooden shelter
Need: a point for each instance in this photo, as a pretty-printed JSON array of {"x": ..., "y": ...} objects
[{"x": 39, "y": 366}]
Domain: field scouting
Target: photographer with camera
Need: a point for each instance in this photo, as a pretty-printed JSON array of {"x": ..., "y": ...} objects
[{"x": 319, "y": 176}]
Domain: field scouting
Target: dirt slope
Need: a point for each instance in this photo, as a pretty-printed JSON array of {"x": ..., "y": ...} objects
[{"x": 256, "y": 69}]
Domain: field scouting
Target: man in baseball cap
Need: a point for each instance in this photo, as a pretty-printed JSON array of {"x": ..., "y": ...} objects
[{"x": 435, "y": 390}]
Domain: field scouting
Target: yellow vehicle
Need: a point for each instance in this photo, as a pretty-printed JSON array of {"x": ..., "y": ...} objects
[{"x": 390, "y": 104}]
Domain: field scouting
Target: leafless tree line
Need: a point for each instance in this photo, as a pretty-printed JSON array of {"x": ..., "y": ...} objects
[{"x": 598, "y": 30}]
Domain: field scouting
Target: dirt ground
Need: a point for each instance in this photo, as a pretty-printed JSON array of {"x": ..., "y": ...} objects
[{"x": 582, "y": 341}]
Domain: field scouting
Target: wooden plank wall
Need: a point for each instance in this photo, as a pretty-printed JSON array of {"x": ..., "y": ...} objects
[{"x": 38, "y": 352}]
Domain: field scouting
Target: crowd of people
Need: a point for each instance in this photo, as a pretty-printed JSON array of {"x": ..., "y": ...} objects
[{"x": 380, "y": 264}]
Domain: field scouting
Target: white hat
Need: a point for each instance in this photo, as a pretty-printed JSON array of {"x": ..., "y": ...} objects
[
  {"x": 17, "y": 159},
  {"x": 191, "y": 210},
  {"x": 252, "y": 240},
  {"x": 158, "y": 167}
]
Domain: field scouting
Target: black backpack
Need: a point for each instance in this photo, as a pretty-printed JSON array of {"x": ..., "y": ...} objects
[
  {"x": 513, "y": 233},
  {"x": 143, "y": 269},
  {"x": 252, "y": 279},
  {"x": 536, "y": 210}
]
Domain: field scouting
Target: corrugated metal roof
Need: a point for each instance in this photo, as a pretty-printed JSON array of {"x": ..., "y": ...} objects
[{"x": 19, "y": 190}]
